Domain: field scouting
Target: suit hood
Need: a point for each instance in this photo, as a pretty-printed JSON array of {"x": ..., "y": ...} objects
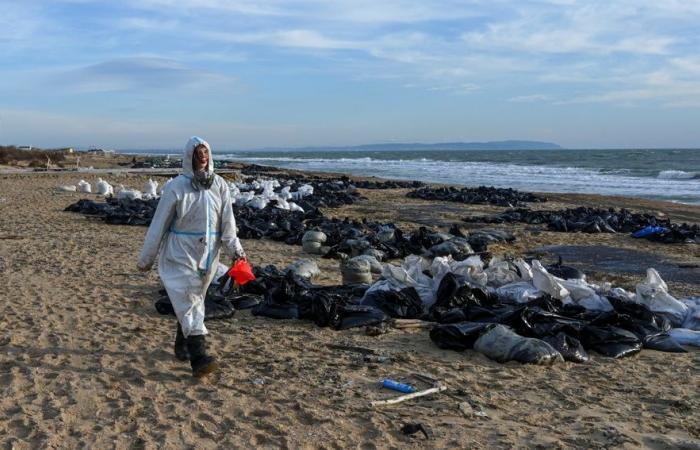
[{"x": 193, "y": 143}]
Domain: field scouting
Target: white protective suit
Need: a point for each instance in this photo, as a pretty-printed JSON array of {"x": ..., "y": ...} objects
[{"x": 189, "y": 226}]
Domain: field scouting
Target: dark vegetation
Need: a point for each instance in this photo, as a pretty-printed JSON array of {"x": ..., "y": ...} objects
[{"x": 10, "y": 155}]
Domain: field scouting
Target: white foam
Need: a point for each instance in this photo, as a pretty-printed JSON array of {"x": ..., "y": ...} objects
[
  {"x": 676, "y": 174},
  {"x": 673, "y": 185}
]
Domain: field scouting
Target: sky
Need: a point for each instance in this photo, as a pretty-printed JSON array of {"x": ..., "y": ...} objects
[{"x": 147, "y": 74}]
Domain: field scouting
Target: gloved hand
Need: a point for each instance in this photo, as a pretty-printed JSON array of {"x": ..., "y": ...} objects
[
  {"x": 143, "y": 268},
  {"x": 239, "y": 255}
]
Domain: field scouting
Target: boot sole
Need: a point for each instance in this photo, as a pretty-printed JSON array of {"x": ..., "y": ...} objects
[{"x": 206, "y": 370}]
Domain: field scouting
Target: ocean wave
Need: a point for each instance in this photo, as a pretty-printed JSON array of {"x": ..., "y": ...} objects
[
  {"x": 616, "y": 171},
  {"x": 317, "y": 160},
  {"x": 668, "y": 184},
  {"x": 677, "y": 175}
]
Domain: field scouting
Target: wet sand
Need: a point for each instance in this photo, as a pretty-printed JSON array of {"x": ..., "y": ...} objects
[{"x": 86, "y": 361}]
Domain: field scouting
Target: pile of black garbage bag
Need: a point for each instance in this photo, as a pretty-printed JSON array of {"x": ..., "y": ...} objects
[
  {"x": 481, "y": 195},
  {"x": 467, "y": 316},
  {"x": 284, "y": 295},
  {"x": 388, "y": 184},
  {"x": 327, "y": 193},
  {"x": 140, "y": 212},
  {"x": 345, "y": 237},
  {"x": 471, "y": 316},
  {"x": 118, "y": 212},
  {"x": 305, "y": 178},
  {"x": 598, "y": 220},
  {"x": 258, "y": 169}
]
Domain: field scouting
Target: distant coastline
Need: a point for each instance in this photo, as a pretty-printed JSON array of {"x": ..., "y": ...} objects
[
  {"x": 417, "y": 146},
  {"x": 390, "y": 147}
]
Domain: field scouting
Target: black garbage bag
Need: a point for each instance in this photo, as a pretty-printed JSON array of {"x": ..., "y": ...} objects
[
  {"x": 447, "y": 289},
  {"x": 350, "y": 316},
  {"x": 280, "y": 301},
  {"x": 457, "y": 336},
  {"x": 287, "y": 289},
  {"x": 479, "y": 240},
  {"x": 570, "y": 348},
  {"x": 455, "y": 292},
  {"x": 565, "y": 272},
  {"x": 266, "y": 278},
  {"x": 403, "y": 304},
  {"x": 163, "y": 306},
  {"x": 323, "y": 307},
  {"x": 453, "y": 315},
  {"x": 277, "y": 310},
  {"x": 246, "y": 301},
  {"x": 640, "y": 328},
  {"x": 610, "y": 341},
  {"x": 545, "y": 302},
  {"x": 502, "y": 344},
  {"x": 662, "y": 342},
  {"x": 538, "y": 323},
  {"x": 649, "y": 327},
  {"x": 458, "y": 248},
  {"x": 507, "y": 314},
  {"x": 640, "y": 314},
  {"x": 215, "y": 307}
]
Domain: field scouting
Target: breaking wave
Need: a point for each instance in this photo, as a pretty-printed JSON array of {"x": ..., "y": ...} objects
[
  {"x": 677, "y": 175},
  {"x": 667, "y": 185}
]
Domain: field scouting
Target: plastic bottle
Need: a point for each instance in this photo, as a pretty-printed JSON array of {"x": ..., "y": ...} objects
[{"x": 395, "y": 385}]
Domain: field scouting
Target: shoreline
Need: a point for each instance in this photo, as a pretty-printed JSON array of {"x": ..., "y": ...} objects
[{"x": 116, "y": 163}]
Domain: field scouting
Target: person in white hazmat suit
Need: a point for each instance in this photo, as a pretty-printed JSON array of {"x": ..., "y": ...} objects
[{"x": 193, "y": 220}]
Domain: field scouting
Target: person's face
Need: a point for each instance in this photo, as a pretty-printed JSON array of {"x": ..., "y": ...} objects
[{"x": 201, "y": 158}]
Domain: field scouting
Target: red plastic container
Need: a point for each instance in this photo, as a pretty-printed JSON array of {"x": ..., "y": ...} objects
[{"x": 241, "y": 272}]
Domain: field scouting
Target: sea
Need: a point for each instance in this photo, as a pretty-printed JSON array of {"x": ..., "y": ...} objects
[{"x": 661, "y": 174}]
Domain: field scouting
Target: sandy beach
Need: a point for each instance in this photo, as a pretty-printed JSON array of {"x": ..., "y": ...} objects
[{"x": 86, "y": 361}]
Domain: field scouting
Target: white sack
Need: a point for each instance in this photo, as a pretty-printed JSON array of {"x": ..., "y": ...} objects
[
  {"x": 653, "y": 293},
  {"x": 84, "y": 187}
]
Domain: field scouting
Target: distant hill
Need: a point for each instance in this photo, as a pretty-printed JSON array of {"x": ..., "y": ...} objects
[
  {"x": 492, "y": 145},
  {"x": 416, "y": 146}
]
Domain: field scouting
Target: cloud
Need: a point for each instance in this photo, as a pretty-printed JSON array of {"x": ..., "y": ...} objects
[
  {"x": 560, "y": 51},
  {"x": 241, "y": 7},
  {"x": 47, "y": 129},
  {"x": 355, "y": 12},
  {"x": 598, "y": 43},
  {"x": 139, "y": 74},
  {"x": 20, "y": 24},
  {"x": 426, "y": 42},
  {"x": 148, "y": 24},
  {"x": 670, "y": 92},
  {"x": 593, "y": 29},
  {"x": 299, "y": 38},
  {"x": 529, "y": 98},
  {"x": 688, "y": 65}
]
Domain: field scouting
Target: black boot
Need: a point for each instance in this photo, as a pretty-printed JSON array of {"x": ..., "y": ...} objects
[
  {"x": 181, "y": 352},
  {"x": 202, "y": 364}
]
